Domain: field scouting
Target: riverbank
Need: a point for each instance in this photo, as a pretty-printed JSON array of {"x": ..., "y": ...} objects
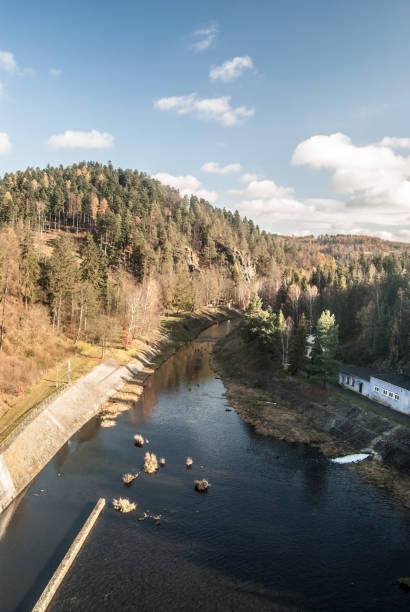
[
  {"x": 37, "y": 439},
  {"x": 292, "y": 409}
]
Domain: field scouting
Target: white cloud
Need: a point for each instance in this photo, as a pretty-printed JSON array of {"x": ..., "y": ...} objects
[
  {"x": 268, "y": 202},
  {"x": 55, "y": 72},
  {"x": 395, "y": 143},
  {"x": 374, "y": 176},
  {"x": 215, "y": 168},
  {"x": 204, "y": 37},
  {"x": 7, "y": 62},
  {"x": 5, "y": 144},
  {"x": 231, "y": 69},
  {"x": 187, "y": 185},
  {"x": 277, "y": 208},
  {"x": 82, "y": 140},
  {"x": 403, "y": 235},
  {"x": 248, "y": 177},
  {"x": 262, "y": 189},
  {"x": 206, "y": 109}
]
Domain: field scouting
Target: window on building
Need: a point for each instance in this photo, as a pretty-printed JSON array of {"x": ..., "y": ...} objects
[
  {"x": 391, "y": 394},
  {"x": 376, "y": 389},
  {"x": 385, "y": 392},
  {"x": 396, "y": 397},
  {"x": 352, "y": 382}
]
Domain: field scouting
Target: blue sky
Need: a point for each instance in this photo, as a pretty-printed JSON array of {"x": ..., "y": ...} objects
[{"x": 294, "y": 112}]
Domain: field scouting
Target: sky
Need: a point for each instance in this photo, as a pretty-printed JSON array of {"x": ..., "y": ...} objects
[{"x": 295, "y": 113}]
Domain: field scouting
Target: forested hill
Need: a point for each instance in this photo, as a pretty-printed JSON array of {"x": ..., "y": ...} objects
[
  {"x": 94, "y": 254},
  {"x": 143, "y": 224},
  {"x": 136, "y": 221}
]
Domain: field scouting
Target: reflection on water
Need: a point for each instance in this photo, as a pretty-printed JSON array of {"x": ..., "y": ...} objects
[{"x": 281, "y": 528}]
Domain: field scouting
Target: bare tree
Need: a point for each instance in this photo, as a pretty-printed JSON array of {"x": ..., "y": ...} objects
[{"x": 312, "y": 294}]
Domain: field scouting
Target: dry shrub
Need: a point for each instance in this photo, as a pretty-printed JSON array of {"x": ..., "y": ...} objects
[
  {"x": 108, "y": 423},
  {"x": 29, "y": 349},
  {"x": 123, "y": 505},
  {"x": 189, "y": 462},
  {"x": 138, "y": 440},
  {"x": 128, "y": 478},
  {"x": 162, "y": 461},
  {"x": 113, "y": 408},
  {"x": 404, "y": 583},
  {"x": 202, "y": 485},
  {"x": 150, "y": 463}
]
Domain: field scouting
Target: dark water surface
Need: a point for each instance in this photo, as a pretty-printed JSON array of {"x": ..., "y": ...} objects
[{"x": 281, "y": 528}]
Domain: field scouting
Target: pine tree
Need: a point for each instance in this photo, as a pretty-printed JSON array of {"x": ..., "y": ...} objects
[
  {"x": 323, "y": 364},
  {"x": 93, "y": 268},
  {"x": 62, "y": 277},
  {"x": 29, "y": 268},
  {"x": 297, "y": 351}
]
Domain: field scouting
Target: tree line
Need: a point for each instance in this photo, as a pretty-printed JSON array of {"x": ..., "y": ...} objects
[{"x": 93, "y": 253}]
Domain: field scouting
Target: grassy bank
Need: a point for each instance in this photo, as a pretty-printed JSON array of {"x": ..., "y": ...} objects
[
  {"x": 261, "y": 397},
  {"x": 279, "y": 405},
  {"x": 172, "y": 331}
]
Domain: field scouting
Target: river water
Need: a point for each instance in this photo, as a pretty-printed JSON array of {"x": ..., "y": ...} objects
[{"x": 281, "y": 528}]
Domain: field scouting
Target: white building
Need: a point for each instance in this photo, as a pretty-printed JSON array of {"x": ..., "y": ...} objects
[{"x": 386, "y": 388}]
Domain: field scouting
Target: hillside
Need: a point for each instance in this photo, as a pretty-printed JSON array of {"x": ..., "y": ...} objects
[{"x": 95, "y": 256}]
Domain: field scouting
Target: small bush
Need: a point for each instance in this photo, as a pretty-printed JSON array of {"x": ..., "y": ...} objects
[
  {"x": 162, "y": 462},
  {"x": 128, "y": 478},
  {"x": 138, "y": 440},
  {"x": 123, "y": 505},
  {"x": 189, "y": 462},
  {"x": 108, "y": 423},
  {"x": 150, "y": 463},
  {"x": 202, "y": 485},
  {"x": 404, "y": 583}
]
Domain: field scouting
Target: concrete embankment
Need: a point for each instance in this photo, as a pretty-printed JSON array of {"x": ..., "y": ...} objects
[
  {"x": 32, "y": 445},
  {"x": 38, "y": 441}
]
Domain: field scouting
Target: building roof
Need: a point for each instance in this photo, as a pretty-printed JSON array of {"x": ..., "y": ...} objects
[
  {"x": 399, "y": 380},
  {"x": 364, "y": 373}
]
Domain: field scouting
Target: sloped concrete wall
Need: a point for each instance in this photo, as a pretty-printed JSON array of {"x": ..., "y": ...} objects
[{"x": 34, "y": 445}]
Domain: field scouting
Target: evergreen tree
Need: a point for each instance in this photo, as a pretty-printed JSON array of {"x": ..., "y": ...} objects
[
  {"x": 323, "y": 364},
  {"x": 298, "y": 346},
  {"x": 29, "y": 268},
  {"x": 62, "y": 278},
  {"x": 93, "y": 267}
]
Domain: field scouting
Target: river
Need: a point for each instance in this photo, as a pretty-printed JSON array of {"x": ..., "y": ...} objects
[{"x": 281, "y": 528}]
